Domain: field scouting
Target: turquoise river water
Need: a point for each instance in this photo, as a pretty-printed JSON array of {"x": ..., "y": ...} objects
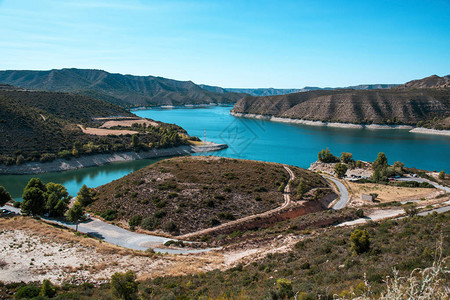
[{"x": 263, "y": 140}]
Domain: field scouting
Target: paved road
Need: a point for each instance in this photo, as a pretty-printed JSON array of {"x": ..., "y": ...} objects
[
  {"x": 119, "y": 236},
  {"x": 343, "y": 199},
  {"x": 393, "y": 213},
  {"x": 438, "y": 186},
  {"x": 287, "y": 201}
]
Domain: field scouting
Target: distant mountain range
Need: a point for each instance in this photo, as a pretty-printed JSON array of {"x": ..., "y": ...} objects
[
  {"x": 259, "y": 92},
  {"x": 124, "y": 90}
]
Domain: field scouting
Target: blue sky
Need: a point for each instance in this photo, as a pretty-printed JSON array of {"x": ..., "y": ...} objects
[{"x": 282, "y": 44}]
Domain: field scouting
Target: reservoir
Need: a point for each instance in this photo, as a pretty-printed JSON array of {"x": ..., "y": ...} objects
[{"x": 263, "y": 140}]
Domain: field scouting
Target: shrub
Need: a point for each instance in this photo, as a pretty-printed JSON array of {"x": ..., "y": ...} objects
[
  {"x": 47, "y": 289},
  {"x": 226, "y": 216},
  {"x": 109, "y": 214},
  {"x": 442, "y": 175},
  {"x": 284, "y": 288},
  {"x": 360, "y": 213},
  {"x": 170, "y": 227},
  {"x": 4, "y": 196},
  {"x": 135, "y": 221},
  {"x": 410, "y": 210},
  {"x": 150, "y": 223},
  {"x": 66, "y": 154},
  {"x": 47, "y": 157},
  {"x": 124, "y": 285},
  {"x": 360, "y": 241},
  {"x": 214, "y": 222},
  {"x": 27, "y": 292}
]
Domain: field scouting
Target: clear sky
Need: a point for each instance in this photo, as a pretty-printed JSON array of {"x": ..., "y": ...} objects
[{"x": 282, "y": 44}]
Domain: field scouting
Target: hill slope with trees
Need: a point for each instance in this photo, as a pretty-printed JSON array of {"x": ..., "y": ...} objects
[
  {"x": 40, "y": 126},
  {"x": 123, "y": 90}
]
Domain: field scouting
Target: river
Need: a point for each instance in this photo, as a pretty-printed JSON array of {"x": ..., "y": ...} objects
[{"x": 263, "y": 140}]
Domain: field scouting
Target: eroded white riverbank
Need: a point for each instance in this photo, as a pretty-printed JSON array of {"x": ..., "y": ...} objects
[{"x": 341, "y": 125}]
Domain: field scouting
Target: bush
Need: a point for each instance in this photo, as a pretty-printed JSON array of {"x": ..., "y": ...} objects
[
  {"x": 442, "y": 175},
  {"x": 27, "y": 292},
  {"x": 214, "y": 222},
  {"x": 360, "y": 241},
  {"x": 150, "y": 223},
  {"x": 360, "y": 213},
  {"x": 109, "y": 214},
  {"x": 47, "y": 157},
  {"x": 124, "y": 285},
  {"x": 226, "y": 216},
  {"x": 66, "y": 154},
  {"x": 47, "y": 289},
  {"x": 135, "y": 221},
  {"x": 346, "y": 157},
  {"x": 170, "y": 227}
]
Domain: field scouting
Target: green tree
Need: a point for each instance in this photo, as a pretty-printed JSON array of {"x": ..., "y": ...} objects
[
  {"x": 36, "y": 183},
  {"x": 33, "y": 201},
  {"x": 381, "y": 161},
  {"x": 346, "y": 157},
  {"x": 4, "y": 196},
  {"x": 442, "y": 175},
  {"x": 135, "y": 141},
  {"x": 360, "y": 241},
  {"x": 84, "y": 196},
  {"x": 326, "y": 156},
  {"x": 124, "y": 285},
  {"x": 75, "y": 214},
  {"x": 301, "y": 188},
  {"x": 340, "y": 169},
  {"x": 57, "y": 199},
  {"x": 47, "y": 289}
]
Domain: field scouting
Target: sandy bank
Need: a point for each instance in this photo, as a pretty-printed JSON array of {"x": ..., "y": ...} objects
[
  {"x": 431, "y": 131},
  {"x": 101, "y": 159},
  {"x": 340, "y": 125}
]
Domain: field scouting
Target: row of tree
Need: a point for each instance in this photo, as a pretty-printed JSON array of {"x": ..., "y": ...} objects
[{"x": 51, "y": 199}]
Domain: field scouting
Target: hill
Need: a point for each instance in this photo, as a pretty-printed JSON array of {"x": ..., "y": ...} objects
[
  {"x": 186, "y": 194},
  {"x": 433, "y": 81},
  {"x": 124, "y": 90},
  {"x": 387, "y": 106},
  {"x": 38, "y": 125},
  {"x": 259, "y": 92}
]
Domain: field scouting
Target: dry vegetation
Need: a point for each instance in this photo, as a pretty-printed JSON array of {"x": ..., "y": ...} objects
[
  {"x": 388, "y": 193},
  {"x": 33, "y": 251},
  {"x": 183, "y": 195}
]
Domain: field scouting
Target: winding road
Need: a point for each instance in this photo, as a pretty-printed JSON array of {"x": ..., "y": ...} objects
[
  {"x": 137, "y": 241},
  {"x": 343, "y": 192},
  {"x": 118, "y": 236}
]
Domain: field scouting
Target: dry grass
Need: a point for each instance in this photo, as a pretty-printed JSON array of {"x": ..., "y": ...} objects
[
  {"x": 128, "y": 123},
  {"x": 104, "y": 132},
  {"x": 387, "y": 193},
  {"x": 36, "y": 250}
]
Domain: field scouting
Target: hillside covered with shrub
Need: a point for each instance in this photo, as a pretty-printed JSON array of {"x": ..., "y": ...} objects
[
  {"x": 185, "y": 194},
  {"x": 40, "y": 126}
]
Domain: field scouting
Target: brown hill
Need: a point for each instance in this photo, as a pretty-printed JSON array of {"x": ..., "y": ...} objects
[
  {"x": 390, "y": 106},
  {"x": 123, "y": 90},
  {"x": 185, "y": 194},
  {"x": 433, "y": 81}
]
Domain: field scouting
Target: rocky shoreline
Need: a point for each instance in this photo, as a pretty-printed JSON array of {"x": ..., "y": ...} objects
[
  {"x": 341, "y": 125},
  {"x": 59, "y": 165}
]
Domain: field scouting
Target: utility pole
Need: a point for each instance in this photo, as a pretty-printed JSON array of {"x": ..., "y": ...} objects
[{"x": 205, "y": 136}]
